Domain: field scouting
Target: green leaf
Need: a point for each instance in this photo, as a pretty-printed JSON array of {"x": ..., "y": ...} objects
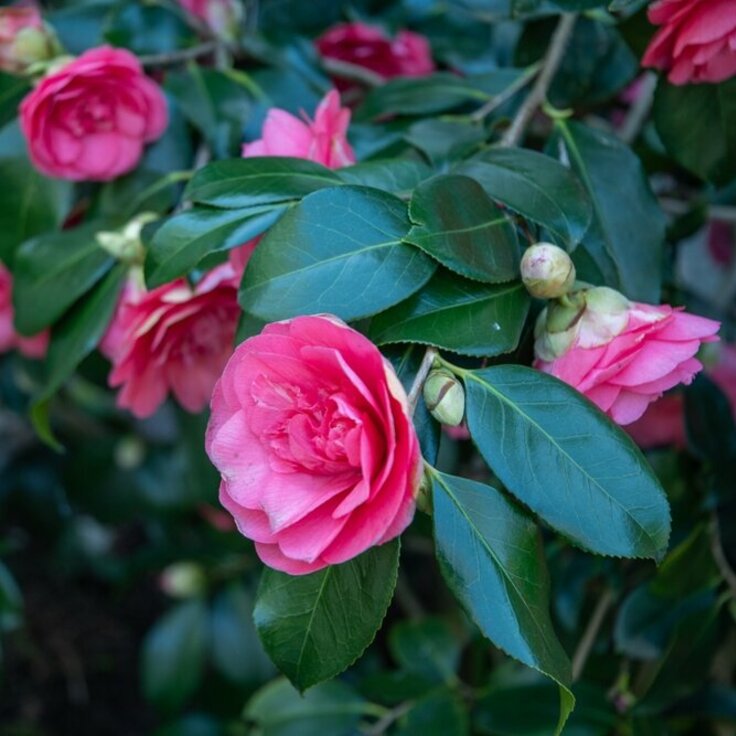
[
  {"x": 697, "y": 124},
  {"x": 491, "y": 556},
  {"x": 314, "y": 626},
  {"x": 459, "y": 315},
  {"x": 185, "y": 239},
  {"x": 391, "y": 175},
  {"x": 427, "y": 648},
  {"x": 236, "y": 650},
  {"x": 258, "y": 181},
  {"x": 456, "y": 223},
  {"x": 52, "y": 271},
  {"x": 173, "y": 655},
  {"x": 81, "y": 329},
  {"x": 537, "y": 187},
  {"x": 440, "y": 713},
  {"x": 41, "y": 421},
  {"x": 12, "y": 90},
  {"x": 330, "y": 709},
  {"x": 443, "y": 140},
  {"x": 31, "y": 204},
  {"x": 625, "y": 239},
  {"x": 338, "y": 251},
  {"x": 567, "y": 461}
]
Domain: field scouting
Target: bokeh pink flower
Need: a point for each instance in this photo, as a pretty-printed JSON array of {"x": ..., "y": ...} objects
[
  {"x": 91, "y": 118},
  {"x": 173, "y": 339},
  {"x": 31, "y": 347},
  {"x": 323, "y": 140},
  {"x": 311, "y": 432},
  {"x": 696, "y": 41}
]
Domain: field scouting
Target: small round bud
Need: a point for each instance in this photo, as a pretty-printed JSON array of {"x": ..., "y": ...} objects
[
  {"x": 445, "y": 398},
  {"x": 547, "y": 271},
  {"x": 183, "y": 580}
]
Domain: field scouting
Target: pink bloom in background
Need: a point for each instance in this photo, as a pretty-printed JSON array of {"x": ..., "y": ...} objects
[
  {"x": 697, "y": 40},
  {"x": 406, "y": 55},
  {"x": 664, "y": 422},
  {"x": 310, "y": 430},
  {"x": 31, "y": 347},
  {"x": 625, "y": 360},
  {"x": 90, "y": 119},
  {"x": 24, "y": 38},
  {"x": 172, "y": 339},
  {"x": 323, "y": 140},
  {"x": 222, "y": 17}
]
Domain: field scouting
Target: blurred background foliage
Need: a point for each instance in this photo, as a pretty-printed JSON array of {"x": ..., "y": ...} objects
[{"x": 125, "y": 594}]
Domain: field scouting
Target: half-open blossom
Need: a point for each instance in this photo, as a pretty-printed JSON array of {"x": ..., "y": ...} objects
[
  {"x": 24, "y": 37},
  {"x": 91, "y": 118},
  {"x": 311, "y": 433},
  {"x": 622, "y": 355},
  {"x": 222, "y": 17},
  {"x": 31, "y": 347},
  {"x": 696, "y": 41},
  {"x": 323, "y": 139},
  {"x": 175, "y": 339},
  {"x": 408, "y": 54}
]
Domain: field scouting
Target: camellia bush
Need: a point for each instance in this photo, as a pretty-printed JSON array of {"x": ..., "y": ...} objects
[{"x": 367, "y": 367}]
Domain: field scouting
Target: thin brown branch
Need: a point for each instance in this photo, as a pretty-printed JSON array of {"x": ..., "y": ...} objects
[
  {"x": 639, "y": 110},
  {"x": 497, "y": 100},
  {"x": 585, "y": 645},
  {"x": 676, "y": 207},
  {"x": 416, "y": 387},
  {"x": 180, "y": 56},
  {"x": 538, "y": 94}
]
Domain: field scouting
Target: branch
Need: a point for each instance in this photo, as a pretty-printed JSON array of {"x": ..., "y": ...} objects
[
  {"x": 550, "y": 65},
  {"x": 639, "y": 109},
  {"x": 353, "y": 72},
  {"x": 424, "y": 368},
  {"x": 722, "y": 212},
  {"x": 591, "y": 634},
  {"x": 180, "y": 56},
  {"x": 497, "y": 100}
]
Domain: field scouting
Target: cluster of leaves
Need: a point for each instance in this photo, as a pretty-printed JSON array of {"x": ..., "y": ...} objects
[{"x": 416, "y": 245}]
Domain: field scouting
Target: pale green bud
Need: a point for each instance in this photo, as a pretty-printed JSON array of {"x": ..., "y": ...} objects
[
  {"x": 547, "y": 271},
  {"x": 183, "y": 580},
  {"x": 445, "y": 397}
]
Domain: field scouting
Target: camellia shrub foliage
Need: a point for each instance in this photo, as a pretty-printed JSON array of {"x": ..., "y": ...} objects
[{"x": 367, "y": 367}]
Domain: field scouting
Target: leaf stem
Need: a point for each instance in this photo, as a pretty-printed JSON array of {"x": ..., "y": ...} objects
[
  {"x": 425, "y": 367},
  {"x": 590, "y": 634},
  {"x": 550, "y": 65}
]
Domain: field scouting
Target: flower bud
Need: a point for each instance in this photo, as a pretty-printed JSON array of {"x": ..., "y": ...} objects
[
  {"x": 445, "y": 397},
  {"x": 24, "y": 38},
  {"x": 125, "y": 244},
  {"x": 183, "y": 580},
  {"x": 547, "y": 271}
]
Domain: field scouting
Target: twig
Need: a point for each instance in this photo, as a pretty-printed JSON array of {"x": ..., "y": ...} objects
[
  {"x": 639, "y": 109},
  {"x": 180, "y": 56},
  {"x": 585, "y": 645},
  {"x": 497, "y": 100},
  {"x": 424, "y": 368},
  {"x": 407, "y": 600},
  {"x": 722, "y": 212},
  {"x": 346, "y": 70},
  {"x": 716, "y": 545},
  {"x": 538, "y": 93},
  {"x": 385, "y": 722}
]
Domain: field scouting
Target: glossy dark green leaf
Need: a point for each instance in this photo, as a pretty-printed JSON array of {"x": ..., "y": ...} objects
[
  {"x": 314, "y": 626},
  {"x": 339, "y": 251},
  {"x": 440, "y": 713},
  {"x": 567, "y": 461},
  {"x": 537, "y": 187},
  {"x": 81, "y": 329},
  {"x": 12, "y": 90},
  {"x": 391, "y": 175},
  {"x": 31, "y": 204},
  {"x": 427, "y": 647},
  {"x": 491, "y": 556},
  {"x": 257, "y": 181},
  {"x": 459, "y": 315},
  {"x": 52, "y": 271},
  {"x": 236, "y": 650},
  {"x": 626, "y": 235},
  {"x": 456, "y": 223},
  {"x": 443, "y": 141},
  {"x": 185, "y": 239},
  {"x": 174, "y": 654},
  {"x": 332, "y": 708},
  {"x": 697, "y": 124}
]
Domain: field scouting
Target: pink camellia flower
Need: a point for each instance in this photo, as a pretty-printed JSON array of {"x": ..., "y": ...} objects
[
  {"x": 24, "y": 37},
  {"x": 697, "y": 40},
  {"x": 311, "y": 432},
  {"x": 622, "y": 355},
  {"x": 173, "y": 338},
  {"x": 90, "y": 119},
  {"x": 31, "y": 347},
  {"x": 663, "y": 423},
  {"x": 222, "y": 17},
  {"x": 323, "y": 139},
  {"x": 407, "y": 55}
]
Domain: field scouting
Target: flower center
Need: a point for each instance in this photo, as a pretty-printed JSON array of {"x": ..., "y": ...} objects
[{"x": 93, "y": 114}]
